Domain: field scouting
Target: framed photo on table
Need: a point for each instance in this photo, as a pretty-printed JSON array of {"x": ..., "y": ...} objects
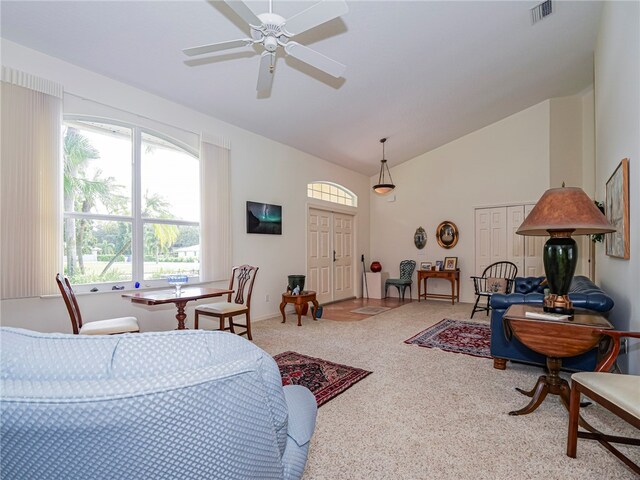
[
  {"x": 425, "y": 265},
  {"x": 617, "y": 211},
  {"x": 450, "y": 263},
  {"x": 439, "y": 264}
]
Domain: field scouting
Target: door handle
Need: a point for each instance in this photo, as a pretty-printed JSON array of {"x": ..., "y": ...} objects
[{"x": 334, "y": 255}]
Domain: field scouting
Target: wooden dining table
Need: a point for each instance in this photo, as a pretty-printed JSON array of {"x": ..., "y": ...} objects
[{"x": 160, "y": 297}]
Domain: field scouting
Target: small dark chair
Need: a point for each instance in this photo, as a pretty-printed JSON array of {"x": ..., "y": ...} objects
[
  {"x": 496, "y": 278},
  {"x": 110, "y": 326},
  {"x": 241, "y": 304},
  {"x": 406, "y": 271}
]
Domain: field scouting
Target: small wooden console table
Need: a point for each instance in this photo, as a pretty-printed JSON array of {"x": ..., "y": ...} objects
[
  {"x": 301, "y": 302},
  {"x": 452, "y": 275},
  {"x": 556, "y": 339}
]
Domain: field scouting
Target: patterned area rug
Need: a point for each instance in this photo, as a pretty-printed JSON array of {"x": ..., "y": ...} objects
[
  {"x": 371, "y": 310},
  {"x": 325, "y": 379},
  {"x": 458, "y": 336}
]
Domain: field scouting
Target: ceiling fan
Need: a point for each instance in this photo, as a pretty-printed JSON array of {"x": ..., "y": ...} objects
[{"x": 272, "y": 31}]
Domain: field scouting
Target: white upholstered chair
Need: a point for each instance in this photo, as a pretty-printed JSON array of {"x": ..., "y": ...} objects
[
  {"x": 618, "y": 393},
  {"x": 110, "y": 326},
  {"x": 240, "y": 304}
]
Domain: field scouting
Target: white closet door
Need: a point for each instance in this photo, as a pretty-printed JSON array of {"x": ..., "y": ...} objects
[
  {"x": 483, "y": 239},
  {"x": 533, "y": 248},
  {"x": 498, "y": 234},
  {"x": 515, "y": 242}
]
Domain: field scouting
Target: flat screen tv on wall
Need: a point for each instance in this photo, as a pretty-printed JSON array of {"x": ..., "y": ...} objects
[{"x": 264, "y": 218}]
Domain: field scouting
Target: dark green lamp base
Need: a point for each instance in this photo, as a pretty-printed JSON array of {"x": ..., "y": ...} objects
[{"x": 560, "y": 259}]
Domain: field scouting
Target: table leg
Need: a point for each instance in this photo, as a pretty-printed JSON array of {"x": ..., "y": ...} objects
[
  {"x": 299, "y": 309},
  {"x": 282, "y": 305},
  {"x": 551, "y": 383},
  {"x": 181, "y": 316},
  {"x": 315, "y": 308},
  {"x": 540, "y": 392},
  {"x": 453, "y": 291},
  {"x": 458, "y": 283}
]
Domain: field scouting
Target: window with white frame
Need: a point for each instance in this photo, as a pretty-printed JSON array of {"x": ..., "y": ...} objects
[
  {"x": 131, "y": 204},
  {"x": 332, "y": 192}
]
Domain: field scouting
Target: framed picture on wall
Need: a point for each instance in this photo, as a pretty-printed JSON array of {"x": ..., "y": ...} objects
[
  {"x": 264, "y": 218},
  {"x": 447, "y": 234},
  {"x": 450, "y": 263},
  {"x": 617, "y": 211}
]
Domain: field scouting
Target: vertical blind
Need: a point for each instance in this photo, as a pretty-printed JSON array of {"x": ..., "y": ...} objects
[
  {"x": 215, "y": 231},
  {"x": 31, "y": 183}
]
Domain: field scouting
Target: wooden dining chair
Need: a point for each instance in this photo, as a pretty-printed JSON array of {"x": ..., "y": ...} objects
[
  {"x": 244, "y": 275},
  {"x": 110, "y": 326},
  {"x": 498, "y": 277},
  {"x": 618, "y": 393}
]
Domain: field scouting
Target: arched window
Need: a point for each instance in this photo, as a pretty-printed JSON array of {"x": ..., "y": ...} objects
[
  {"x": 131, "y": 204},
  {"x": 332, "y": 192}
]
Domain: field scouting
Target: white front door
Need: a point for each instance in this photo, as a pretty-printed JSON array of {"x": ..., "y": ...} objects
[
  {"x": 330, "y": 259},
  {"x": 319, "y": 255},
  {"x": 343, "y": 257}
]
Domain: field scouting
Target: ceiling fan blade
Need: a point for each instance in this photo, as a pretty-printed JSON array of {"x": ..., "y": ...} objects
[
  {"x": 244, "y": 12},
  {"x": 315, "y": 15},
  {"x": 315, "y": 59},
  {"x": 215, "y": 47},
  {"x": 267, "y": 69}
]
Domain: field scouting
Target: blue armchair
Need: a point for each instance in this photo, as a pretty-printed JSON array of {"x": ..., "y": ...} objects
[
  {"x": 165, "y": 405},
  {"x": 583, "y": 294}
]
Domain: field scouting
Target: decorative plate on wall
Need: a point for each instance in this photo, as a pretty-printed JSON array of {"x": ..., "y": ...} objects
[
  {"x": 420, "y": 238},
  {"x": 447, "y": 234}
]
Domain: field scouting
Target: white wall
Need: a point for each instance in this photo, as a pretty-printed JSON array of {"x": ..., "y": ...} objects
[
  {"x": 506, "y": 162},
  {"x": 565, "y": 143},
  {"x": 617, "y": 108},
  {"x": 261, "y": 170}
]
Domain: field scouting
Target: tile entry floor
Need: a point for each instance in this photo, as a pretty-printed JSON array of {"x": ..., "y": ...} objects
[{"x": 341, "y": 311}]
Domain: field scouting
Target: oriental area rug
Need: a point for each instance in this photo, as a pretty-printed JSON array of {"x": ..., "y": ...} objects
[
  {"x": 325, "y": 379},
  {"x": 458, "y": 336}
]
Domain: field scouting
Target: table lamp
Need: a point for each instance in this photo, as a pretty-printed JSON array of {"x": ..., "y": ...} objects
[{"x": 560, "y": 213}]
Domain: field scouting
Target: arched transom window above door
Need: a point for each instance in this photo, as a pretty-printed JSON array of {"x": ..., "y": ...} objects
[{"x": 332, "y": 192}]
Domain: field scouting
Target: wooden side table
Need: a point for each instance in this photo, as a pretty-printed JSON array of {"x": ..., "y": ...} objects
[
  {"x": 556, "y": 339},
  {"x": 452, "y": 275},
  {"x": 301, "y": 302}
]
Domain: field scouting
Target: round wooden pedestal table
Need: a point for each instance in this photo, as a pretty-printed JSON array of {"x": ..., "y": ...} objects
[{"x": 301, "y": 303}]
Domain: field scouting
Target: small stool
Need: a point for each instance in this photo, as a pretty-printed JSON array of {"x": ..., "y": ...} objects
[{"x": 301, "y": 302}]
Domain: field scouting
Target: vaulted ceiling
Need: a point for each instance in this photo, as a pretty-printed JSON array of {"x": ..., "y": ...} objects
[{"x": 421, "y": 73}]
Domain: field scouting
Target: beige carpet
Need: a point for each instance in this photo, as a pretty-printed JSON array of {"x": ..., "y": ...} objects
[{"x": 428, "y": 414}]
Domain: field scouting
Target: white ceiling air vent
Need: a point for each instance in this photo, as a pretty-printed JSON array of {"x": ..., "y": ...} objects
[{"x": 541, "y": 11}]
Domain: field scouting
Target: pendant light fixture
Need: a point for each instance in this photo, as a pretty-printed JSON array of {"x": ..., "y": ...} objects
[{"x": 384, "y": 185}]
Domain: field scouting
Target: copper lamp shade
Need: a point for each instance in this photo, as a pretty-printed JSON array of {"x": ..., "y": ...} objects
[{"x": 560, "y": 213}]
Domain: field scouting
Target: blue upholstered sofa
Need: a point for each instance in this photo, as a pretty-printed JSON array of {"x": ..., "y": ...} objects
[
  {"x": 165, "y": 405},
  {"x": 583, "y": 294}
]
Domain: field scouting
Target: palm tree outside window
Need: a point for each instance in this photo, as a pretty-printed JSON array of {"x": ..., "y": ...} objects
[{"x": 131, "y": 204}]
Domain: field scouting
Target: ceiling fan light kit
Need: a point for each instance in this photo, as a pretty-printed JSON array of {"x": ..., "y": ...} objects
[
  {"x": 384, "y": 186},
  {"x": 272, "y": 31}
]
